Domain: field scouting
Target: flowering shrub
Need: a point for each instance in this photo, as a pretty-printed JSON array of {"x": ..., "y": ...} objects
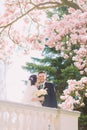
[{"x": 74, "y": 95}]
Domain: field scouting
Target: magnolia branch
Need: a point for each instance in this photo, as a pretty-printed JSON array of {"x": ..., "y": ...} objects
[
  {"x": 56, "y": 4},
  {"x": 45, "y": 6},
  {"x": 71, "y": 4}
]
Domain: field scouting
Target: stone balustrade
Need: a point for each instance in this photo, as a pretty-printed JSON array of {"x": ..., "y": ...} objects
[{"x": 17, "y": 116}]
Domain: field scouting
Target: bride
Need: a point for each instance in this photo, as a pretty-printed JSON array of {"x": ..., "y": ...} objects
[
  {"x": 33, "y": 121},
  {"x": 30, "y": 96}
]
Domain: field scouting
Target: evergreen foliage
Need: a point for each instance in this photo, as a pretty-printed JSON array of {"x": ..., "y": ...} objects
[
  {"x": 58, "y": 71},
  {"x": 83, "y": 122},
  {"x": 57, "y": 68}
]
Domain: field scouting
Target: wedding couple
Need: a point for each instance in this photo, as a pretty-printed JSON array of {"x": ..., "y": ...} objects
[{"x": 39, "y": 92}]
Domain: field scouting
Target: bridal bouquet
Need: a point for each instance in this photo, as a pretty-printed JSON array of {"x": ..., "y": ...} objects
[{"x": 41, "y": 92}]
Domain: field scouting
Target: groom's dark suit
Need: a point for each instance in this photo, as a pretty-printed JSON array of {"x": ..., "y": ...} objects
[{"x": 50, "y": 98}]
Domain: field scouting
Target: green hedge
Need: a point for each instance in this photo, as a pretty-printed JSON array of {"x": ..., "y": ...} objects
[{"x": 82, "y": 122}]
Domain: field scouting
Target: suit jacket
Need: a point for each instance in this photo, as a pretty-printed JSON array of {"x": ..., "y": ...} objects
[{"x": 50, "y": 98}]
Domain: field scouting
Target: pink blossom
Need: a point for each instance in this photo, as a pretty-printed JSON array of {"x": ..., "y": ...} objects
[
  {"x": 82, "y": 104},
  {"x": 84, "y": 80},
  {"x": 85, "y": 70},
  {"x": 81, "y": 72},
  {"x": 85, "y": 94},
  {"x": 71, "y": 10}
]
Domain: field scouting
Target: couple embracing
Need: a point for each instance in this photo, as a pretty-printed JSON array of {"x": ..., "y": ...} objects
[{"x": 39, "y": 92}]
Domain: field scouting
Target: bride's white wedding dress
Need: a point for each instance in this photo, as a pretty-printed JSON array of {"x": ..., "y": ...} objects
[
  {"x": 30, "y": 93},
  {"x": 35, "y": 120}
]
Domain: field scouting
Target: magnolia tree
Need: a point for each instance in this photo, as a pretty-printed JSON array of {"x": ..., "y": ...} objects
[
  {"x": 73, "y": 96},
  {"x": 24, "y": 23}
]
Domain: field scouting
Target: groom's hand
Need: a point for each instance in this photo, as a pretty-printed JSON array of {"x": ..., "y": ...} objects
[{"x": 42, "y": 98}]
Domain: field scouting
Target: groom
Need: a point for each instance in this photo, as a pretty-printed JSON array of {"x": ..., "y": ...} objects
[{"x": 50, "y": 98}]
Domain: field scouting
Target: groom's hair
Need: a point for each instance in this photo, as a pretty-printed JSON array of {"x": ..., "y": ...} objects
[
  {"x": 40, "y": 72},
  {"x": 33, "y": 79}
]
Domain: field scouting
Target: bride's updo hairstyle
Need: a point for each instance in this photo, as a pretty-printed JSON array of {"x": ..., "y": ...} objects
[{"x": 33, "y": 79}]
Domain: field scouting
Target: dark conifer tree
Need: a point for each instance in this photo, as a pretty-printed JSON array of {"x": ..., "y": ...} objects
[{"x": 57, "y": 68}]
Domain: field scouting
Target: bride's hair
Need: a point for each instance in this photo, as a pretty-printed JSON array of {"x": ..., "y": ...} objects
[{"x": 33, "y": 79}]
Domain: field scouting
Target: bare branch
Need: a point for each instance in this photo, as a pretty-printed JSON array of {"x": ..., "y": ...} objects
[
  {"x": 71, "y": 4},
  {"x": 41, "y": 6}
]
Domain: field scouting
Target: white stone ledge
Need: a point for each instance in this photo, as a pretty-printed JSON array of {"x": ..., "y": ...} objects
[{"x": 58, "y": 119}]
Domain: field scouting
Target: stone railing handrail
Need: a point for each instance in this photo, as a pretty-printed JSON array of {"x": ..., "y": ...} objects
[{"x": 18, "y": 116}]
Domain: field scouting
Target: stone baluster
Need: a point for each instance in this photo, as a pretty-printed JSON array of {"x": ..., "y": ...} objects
[{"x": 15, "y": 116}]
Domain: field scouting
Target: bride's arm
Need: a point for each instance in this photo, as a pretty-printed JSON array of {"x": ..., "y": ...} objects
[{"x": 38, "y": 98}]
